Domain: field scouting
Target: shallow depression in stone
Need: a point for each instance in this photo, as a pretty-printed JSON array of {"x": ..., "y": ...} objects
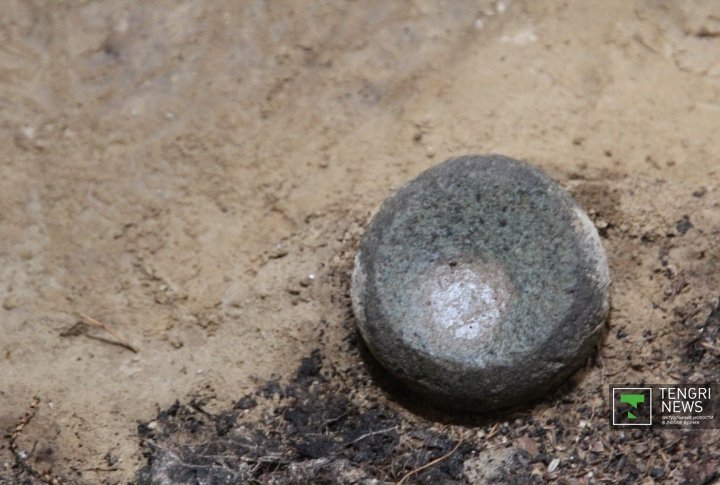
[{"x": 460, "y": 307}]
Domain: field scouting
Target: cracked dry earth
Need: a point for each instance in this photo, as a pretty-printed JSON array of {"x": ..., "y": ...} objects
[{"x": 194, "y": 176}]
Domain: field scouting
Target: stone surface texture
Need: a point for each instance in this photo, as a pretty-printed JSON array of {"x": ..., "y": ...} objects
[{"x": 481, "y": 284}]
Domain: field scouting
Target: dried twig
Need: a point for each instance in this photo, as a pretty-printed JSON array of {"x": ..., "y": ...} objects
[
  {"x": 367, "y": 435},
  {"x": 87, "y": 319},
  {"x": 710, "y": 346},
  {"x": 429, "y": 464},
  {"x": 24, "y": 421},
  {"x": 493, "y": 431},
  {"x": 21, "y": 457}
]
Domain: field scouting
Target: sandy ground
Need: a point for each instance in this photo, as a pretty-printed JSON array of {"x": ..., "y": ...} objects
[{"x": 193, "y": 173}]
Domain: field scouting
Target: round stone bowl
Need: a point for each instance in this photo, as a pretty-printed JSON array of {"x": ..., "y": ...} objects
[{"x": 481, "y": 284}]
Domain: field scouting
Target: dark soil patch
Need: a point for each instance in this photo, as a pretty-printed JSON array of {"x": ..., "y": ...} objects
[{"x": 313, "y": 433}]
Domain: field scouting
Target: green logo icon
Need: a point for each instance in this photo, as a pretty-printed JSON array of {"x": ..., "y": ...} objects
[
  {"x": 633, "y": 400},
  {"x": 631, "y": 406}
]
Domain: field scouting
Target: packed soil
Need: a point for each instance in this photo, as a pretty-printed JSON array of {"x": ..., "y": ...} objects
[{"x": 183, "y": 185}]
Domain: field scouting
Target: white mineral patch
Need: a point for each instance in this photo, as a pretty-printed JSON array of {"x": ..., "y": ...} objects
[
  {"x": 588, "y": 234},
  {"x": 466, "y": 301}
]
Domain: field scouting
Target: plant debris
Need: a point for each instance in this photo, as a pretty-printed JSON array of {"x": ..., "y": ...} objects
[{"x": 315, "y": 433}]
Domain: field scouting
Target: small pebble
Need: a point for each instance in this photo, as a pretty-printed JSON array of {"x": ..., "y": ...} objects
[
  {"x": 481, "y": 284},
  {"x": 10, "y": 303}
]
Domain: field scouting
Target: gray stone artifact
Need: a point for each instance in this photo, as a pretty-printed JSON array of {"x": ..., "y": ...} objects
[{"x": 481, "y": 284}]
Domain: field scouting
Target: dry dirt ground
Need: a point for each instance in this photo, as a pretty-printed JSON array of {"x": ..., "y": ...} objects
[{"x": 195, "y": 175}]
